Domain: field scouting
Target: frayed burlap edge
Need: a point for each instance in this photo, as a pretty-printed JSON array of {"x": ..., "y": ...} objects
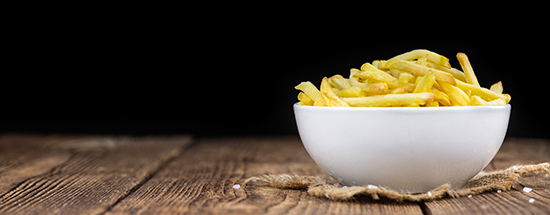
[{"x": 484, "y": 181}]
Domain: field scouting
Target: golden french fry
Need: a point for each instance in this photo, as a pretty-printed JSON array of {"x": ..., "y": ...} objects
[
  {"x": 390, "y": 100},
  {"x": 317, "y": 103},
  {"x": 425, "y": 84},
  {"x": 304, "y": 99},
  {"x": 399, "y": 90},
  {"x": 370, "y": 72},
  {"x": 405, "y": 77},
  {"x": 354, "y": 81},
  {"x": 456, "y": 95},
  {"x": 418, "y": 53},
  {"x": 507, "y": 97},
  {"x": 499, "y": 101},
  {"x": 327, "y": 101},
  {"x": 312, "y": 92},
  {"x": 418, "y": 70},
  {"x": 376, "y": 89},
  {"x": 455, "y": 72},
  {"x": 477, "y": 101},
  {"x": 422, "y": 61},
  {"x": 497, "y": 88},
  {"x": 329, "y": 95},
  {"x": 441, "y": 97},
  {"x": 337, "y": 81},
  {"x": 351, "y": 92},
  {"x": 419, "y": 78},
  {"x": 467, "y": 68},
  {"x": 432, "y": 104},
  {"x": 484, "y": 93}
]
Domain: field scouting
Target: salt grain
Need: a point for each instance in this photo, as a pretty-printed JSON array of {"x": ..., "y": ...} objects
[
  {"x": 527, "y": 189},
  {"x": 547, "y": 175},
  {"x": 372, "y": 187},
  {"x": 429, "y": 193},
  {"x": 344, "y": 187},
  {"x": 236, "y": 186},
  {"x": 531, "y": 200},
  {"x": 516, "y": 168},
  {"x": 469, "y": 196},
  {"x": 499, "y": 191}
]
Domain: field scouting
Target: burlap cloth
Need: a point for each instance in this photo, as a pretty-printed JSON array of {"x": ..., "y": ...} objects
[{"x": 484, "y": 181}]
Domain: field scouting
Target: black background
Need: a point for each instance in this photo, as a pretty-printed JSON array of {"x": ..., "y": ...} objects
[{"x": 235, "y": 74}]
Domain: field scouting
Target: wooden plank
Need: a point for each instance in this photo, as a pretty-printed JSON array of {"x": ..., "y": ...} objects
[
  {"x": 25, "y": 156},
  {"x": 95, "y": 174},
  {"x": 516, "y": 201},
  {"x": 201, "y": 181}
]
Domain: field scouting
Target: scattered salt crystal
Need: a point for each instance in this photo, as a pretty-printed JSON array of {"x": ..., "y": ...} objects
[
  {"x": 514, "y": 186},
  {"x": 516, "y": 167},
  {"x": 372, "y": 186},
  {"x": 527, "y": 189},
  {"x": 429, "y": 193},
  {"x": 547, "y": 175},
  {"x": 345, "y": 187},
  {"x": 499, "y": 191},
  {"x": 469, "y": 196},
  {"x": 531, "y": 200},
  {"x": 236, "y": 186}
]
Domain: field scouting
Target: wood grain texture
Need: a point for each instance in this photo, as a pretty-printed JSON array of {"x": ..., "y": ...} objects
[
  {"x": 60, "y": 174},
  {"x": 201, "y": 180},
  {"x": 516, "y": 201},
  {"x": 90, "y": 175}
]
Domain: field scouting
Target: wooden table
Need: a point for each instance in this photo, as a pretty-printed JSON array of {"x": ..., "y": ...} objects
[{"x": 62, "y": 174}]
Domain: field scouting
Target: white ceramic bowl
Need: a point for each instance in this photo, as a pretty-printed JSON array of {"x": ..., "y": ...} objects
[{"x": 407, "y": 149}]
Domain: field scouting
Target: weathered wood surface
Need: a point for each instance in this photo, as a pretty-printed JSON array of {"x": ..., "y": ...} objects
[
  {"x": 77, "y": 175},
  {"x": 175, "y": 175}
]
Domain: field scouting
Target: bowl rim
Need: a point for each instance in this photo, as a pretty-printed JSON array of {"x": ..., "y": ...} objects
[{"x": 419, "y": 109}]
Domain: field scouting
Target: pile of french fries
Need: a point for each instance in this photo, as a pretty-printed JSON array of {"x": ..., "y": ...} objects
[{"x": 419, "y": 78}]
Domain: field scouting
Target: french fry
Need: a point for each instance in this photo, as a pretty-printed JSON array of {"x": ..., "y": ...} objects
[
  {"x": 441, "y": 97},
  {"x": 456, "y": 95},
  {"x": 304, "y": 99},
  {"x": 478, "y": 101},
  {"x": 404, "y": 78},
  {"x": 418, "y": 53},
  {"x": 432, "y": 104},
  {"x": 376, "y": 89},
  {"x": 354, "y": 81},
  {"x": 455, "y": 72},
  {"x": 418, "y": 70},
  {"x": 311, "y": 91},
  {"x": 339, "y": 82},
  {"x": 327, "y": 92},
  {"x": 467, "y": 68},
  {"x": 507, "y": 97},
  {"x": 422, "y": 61},
  {"x": 419, "y": 78},
  {"x": 326, "y": 101},
  {"x": 484, "y": 93},
  {"x": 370, "y": 72},
  {"x": 390, "y": 100},
  {"x": 351, "y": 92},
  {"x": 425, "y": 84},
  {"x": 497, "y": 88}
]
